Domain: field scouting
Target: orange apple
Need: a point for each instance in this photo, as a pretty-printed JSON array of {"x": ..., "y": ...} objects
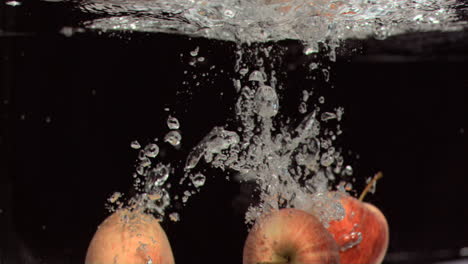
[
  {"x": 129, "y": 237},
  {"x": 363, "y": 233},
  {"x": 289, "y": 236}
]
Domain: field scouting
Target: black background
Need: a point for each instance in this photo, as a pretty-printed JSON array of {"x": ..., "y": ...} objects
[{"x": 406, "y": 112}]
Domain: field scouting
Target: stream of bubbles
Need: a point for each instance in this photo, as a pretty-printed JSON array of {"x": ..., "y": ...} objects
[{"x": 294, "y": 164}]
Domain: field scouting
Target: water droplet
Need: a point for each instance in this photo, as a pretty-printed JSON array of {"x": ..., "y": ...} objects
[
  {"x": 173, "y": 123},
  {"x": 201, "y": 59},
  {"x": 48, "y": 119},
  {"x": 173, "y": 138},
  {"x": 198, "y": 180},
  {"x": 135, "y": 145},
  {"x": 266, "y": 101}
]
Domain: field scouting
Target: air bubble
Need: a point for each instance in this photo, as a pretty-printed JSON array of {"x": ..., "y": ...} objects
[
  {"x": 348, "y": 171},
  {"x": 326, "y": 74},
  {"x": 173, "y": 123},
  {"x": 174, "y": 217},
  {"x": 135, "y": 145},
  {"x": 243, "y": 71},
  {"x": 326, "y": 160},
  {"x": 198, "y": 180},
  {"x": 173, "y": 138},
  {"x": 13, "y": 3},
  {"x": 257, "y": 76},
  {"x": 302, "y": 108},
  {"x": 151, "y": 150},
  {"x": 266, "y": 101},
  {"x": 305, "y": 95},
  {"x": 158, "y": 176},
  {"x": 194, "y": 52},
  {"x": 350, "y": 240},
  {"x": 140, "y": 170},
  {"x": 229, "y": 13},
  {"x": 145, "y": 162},
  {"x": 321, "y": 99},
  {"x": 327, "y": 116},
  {"x": 339, "y": 113},
  {"x": 115, "y": 196},
  {"x": 313, "y": 66}
]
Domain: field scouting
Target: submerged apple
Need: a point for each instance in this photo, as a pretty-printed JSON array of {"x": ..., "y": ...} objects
[
  {"x": 290, "y": 236},
  {"x": 363, "y": 233},
  {"x": 129, "y": 237}
]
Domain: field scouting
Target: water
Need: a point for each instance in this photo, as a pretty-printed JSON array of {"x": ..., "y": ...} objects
[
  {"x": 292, "y": 163},
  {"x": 262, "y": 20},
  {"x": 287, "y": 151}
]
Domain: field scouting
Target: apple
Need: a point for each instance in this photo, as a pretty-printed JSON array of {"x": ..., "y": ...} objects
[
  {"x": 289, "y": 236},
  {"x": 363, "y": 233},
  {"x": 129, "y": 237}
]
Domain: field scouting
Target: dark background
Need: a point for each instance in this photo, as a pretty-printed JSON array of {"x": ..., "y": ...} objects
[{"x": 70, "y": 106}]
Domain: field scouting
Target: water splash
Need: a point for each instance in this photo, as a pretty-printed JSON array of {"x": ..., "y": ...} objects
[{"x": 312, "y": 21}]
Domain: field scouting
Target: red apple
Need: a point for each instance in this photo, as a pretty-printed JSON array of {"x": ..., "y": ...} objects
[
  {"x": 363, "y": 233},
  {"x": 129, "y": 237},
  {"x": 290, "y": 236}
]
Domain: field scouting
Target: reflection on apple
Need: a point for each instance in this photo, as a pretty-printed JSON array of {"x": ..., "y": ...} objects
[
  {"x": 289, "y": 236},
  {"x": 129, "y": 237}
]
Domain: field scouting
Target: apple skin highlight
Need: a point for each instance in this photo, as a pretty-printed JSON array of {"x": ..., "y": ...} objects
[
  {"x": 362, "y": 235},
  {"x": 290, "y": 236},
  {"x": 129, "y": 237}
]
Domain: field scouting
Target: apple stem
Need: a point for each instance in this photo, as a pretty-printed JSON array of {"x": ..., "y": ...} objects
[{"x": 377, "y": 176}]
